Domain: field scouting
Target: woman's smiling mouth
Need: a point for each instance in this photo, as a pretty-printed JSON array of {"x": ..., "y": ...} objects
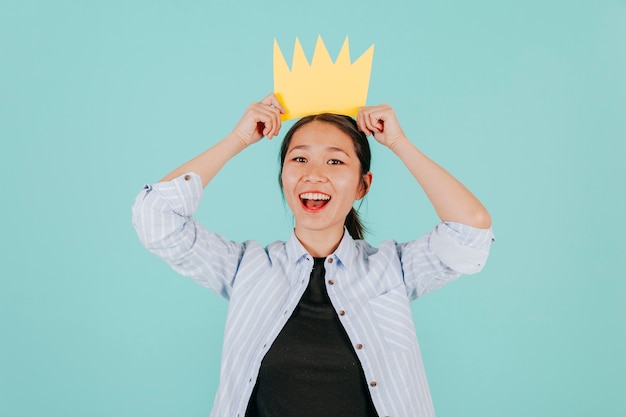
[{"x": 314, "y": 200}]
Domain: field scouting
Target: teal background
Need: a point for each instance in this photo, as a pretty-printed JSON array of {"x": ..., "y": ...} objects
[{"x": 525, "y": 102}]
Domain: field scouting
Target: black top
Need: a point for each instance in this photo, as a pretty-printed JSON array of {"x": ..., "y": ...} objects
[{"x": 311, "y": 370}]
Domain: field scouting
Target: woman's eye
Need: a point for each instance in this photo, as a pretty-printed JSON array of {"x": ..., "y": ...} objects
[
  {"x": 334, "y": 162},
  {"x": 299, "y": 159}
]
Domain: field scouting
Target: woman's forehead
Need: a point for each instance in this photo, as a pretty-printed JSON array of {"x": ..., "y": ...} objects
[{"x": 318, "y": 134}]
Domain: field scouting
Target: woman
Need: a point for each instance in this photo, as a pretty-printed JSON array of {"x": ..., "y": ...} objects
[{"x": 319, "y": 325}]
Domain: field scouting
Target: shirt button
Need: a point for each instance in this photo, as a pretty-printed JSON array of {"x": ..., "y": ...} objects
[
  {"x": 331, "y": 282},
  {"x": 187, "y": 177},
  {"x": 341, "y": 312},
  {"x": 330, "y": 260},
  {"x": 359, "y": 346},
  {"x": 373, "y": 383}
]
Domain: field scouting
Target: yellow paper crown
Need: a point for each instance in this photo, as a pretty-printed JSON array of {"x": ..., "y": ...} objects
[{"x": 324, "y": 86}]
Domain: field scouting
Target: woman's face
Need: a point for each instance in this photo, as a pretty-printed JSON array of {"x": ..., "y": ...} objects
[{"x": 321, "y": 178}]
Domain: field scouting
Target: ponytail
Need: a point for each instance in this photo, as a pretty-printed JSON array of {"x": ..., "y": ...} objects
[{"x": 354, "y": 225}]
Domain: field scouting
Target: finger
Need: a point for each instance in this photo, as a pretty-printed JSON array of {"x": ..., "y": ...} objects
[
  {"x": 276, "y": 103},
  {"x": 267, "y": 119},
  {"x": 378, "y": 121},
  {"x": 366, "y": 118},
  {"x": 272, "y": 101},
  {"x": 360, "y": 121},
  {"x": 267, "y": 99},
  {"x": 272, "y": 108},
  {"x": 371, "y": 122},
  {"x": 274, "y": 123},
  {"x": 364, "y": 129},
  {"x": 260, "y": 118}
]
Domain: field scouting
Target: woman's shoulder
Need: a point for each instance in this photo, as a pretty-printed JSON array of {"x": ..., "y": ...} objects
[{"x": 385, "y": 249}]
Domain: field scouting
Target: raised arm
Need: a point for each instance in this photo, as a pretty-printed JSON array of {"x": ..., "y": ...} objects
[
  {"x": 452, "y": 201},
  {"x": 260, "y": 119},
  {"x": 163, "y": 213}
]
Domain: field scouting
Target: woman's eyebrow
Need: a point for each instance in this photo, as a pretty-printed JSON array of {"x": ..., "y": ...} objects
[{"x": 328, "y": 149}]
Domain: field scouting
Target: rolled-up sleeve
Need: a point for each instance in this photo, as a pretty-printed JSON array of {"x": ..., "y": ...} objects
[
  {"x": 161, "y": 213},
  {"x": 163, "y": 218},
  {"x": 462, "y": 248},
  {"x": 442, "y": 255}
]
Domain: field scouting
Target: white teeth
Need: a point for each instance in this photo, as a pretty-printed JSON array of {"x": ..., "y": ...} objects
[{"x": 314, "y": 196}]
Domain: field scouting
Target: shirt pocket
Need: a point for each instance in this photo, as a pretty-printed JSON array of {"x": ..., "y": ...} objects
[{"x": 392, "y": 314}]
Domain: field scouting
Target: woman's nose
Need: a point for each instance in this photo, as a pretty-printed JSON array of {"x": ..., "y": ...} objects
[{"x": 315, "y": 172}]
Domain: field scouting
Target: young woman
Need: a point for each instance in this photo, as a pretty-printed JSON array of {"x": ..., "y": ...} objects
[{"x": 320, "y": 324}]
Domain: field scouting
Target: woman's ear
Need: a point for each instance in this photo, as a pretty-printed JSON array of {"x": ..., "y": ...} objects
[{"x": 366, "y": 183}]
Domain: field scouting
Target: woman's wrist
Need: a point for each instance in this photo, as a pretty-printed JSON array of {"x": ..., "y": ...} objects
[
  {"x": 235, "y": 142},
  {"x": 400, "y": 145}
]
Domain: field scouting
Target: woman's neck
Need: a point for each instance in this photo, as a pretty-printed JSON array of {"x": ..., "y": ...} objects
[{"x": 319, "y": 243}]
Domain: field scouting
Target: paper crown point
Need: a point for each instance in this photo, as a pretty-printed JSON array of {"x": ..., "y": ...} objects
[{"x": 323, "y": 86}]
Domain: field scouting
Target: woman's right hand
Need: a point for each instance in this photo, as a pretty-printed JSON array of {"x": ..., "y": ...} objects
[{"x": 260, "y": 119}]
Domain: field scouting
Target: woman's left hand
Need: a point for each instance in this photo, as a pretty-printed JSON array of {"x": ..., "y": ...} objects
[
  {"x": 451, "y": 200},
  {"x": 380, "y": 121}
]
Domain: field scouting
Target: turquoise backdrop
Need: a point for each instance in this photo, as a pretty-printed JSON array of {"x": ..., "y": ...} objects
[{"x": 524, "y": 101}]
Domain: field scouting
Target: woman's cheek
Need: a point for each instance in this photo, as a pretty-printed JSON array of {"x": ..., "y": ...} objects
[{"x": 287, "y": 179}]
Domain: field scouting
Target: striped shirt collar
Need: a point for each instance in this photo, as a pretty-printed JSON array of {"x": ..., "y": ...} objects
[{"x": 345, "y": 252}]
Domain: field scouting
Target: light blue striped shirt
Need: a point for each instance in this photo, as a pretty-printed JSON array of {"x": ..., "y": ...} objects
[{"x": 369, "y": 287}]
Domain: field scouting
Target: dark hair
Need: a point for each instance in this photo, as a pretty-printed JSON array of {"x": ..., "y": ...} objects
[{"x": 361, "y": 146}]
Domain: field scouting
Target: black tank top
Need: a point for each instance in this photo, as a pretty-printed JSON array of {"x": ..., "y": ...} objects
[{"x": 311, "y": 370}]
